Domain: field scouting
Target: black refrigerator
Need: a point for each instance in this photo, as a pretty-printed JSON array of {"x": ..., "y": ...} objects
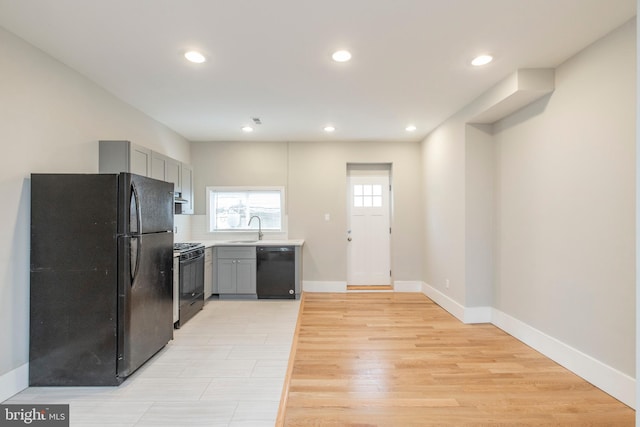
[{"x": 101, "y": 276}]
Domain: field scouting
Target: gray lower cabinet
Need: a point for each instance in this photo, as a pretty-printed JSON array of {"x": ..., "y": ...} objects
[
  {"x": 236, "y": 270},
  {"x": 208, "y": 272}
]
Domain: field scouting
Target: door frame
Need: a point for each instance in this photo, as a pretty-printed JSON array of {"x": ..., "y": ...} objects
[{"x": 382, "y": 169}]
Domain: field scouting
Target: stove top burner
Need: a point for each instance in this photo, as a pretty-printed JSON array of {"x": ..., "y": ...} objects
[{"x": 183, "y": 247}]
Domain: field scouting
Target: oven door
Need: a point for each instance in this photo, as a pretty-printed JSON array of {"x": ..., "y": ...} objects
[{"x": 191, "y": 286}]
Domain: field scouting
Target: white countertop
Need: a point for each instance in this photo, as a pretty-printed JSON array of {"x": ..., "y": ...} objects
[
  {"x": 240, "y": 242},
  {"x": 212, "y": 243}
]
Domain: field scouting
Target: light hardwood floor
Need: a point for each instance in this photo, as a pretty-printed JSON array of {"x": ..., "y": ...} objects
[{"x": 394, "y": 359}]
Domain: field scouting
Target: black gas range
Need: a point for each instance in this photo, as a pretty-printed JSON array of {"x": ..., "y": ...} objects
[
  {"x": 191, "y": 282},
  {"x": 187, "y": 247}
]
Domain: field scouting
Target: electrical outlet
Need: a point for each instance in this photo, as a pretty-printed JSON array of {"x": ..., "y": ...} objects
[{"x": 447, "y": 285}]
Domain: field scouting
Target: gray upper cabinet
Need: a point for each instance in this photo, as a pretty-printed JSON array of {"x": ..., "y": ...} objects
[
  {"x": 186, "y": 179},
  {"x": 172, "y": 173},
  {"x": 124, "y": 156},
  {"x": 166, "y": 169}
]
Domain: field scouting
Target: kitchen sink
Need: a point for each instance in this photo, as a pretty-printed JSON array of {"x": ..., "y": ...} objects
[{"x": 243, "y": 241}]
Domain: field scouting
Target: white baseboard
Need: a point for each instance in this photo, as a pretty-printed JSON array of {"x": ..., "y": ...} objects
[
  {"x": 462, "y": 313},
  {"x": 13, "y": 382},
  {"x": 606, "y": 378},
  {"x": 317, "y": 286},
  {"x": 477, "y": 314},
  {"x": 452, "y": 306},
  {"x": 407, "y": 286}
]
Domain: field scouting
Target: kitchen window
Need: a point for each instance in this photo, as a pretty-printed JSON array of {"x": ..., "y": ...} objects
[{"x": 231, "y": 208}]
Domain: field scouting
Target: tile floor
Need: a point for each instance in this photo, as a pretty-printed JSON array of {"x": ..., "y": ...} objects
[{"x": 225, "y": 367}]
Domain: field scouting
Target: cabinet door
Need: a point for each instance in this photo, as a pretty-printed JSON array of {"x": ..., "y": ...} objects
[
  {"x": 226, "y": 274},
  {"x": 158, "y": 166},
  {"x": 140, "y": 160},
  {"x": 187, "y": 188},
  {"x": 246, "y": 276},
  {"x": 123, "y": 156},
  {"x": 208, "y": 273},
  {"x": 172, "y": 173}
]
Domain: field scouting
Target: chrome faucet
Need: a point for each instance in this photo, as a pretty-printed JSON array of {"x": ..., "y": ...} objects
[{"x": 259, "y": 226}]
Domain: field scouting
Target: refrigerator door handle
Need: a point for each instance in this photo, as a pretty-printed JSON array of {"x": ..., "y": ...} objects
[
  {"x": 135, "y": 219},
  {"x": 134, "y": 210},
  {"x": 134, "y": 258}
]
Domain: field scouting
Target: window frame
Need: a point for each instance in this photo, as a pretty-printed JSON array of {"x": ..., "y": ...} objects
[{"x": 211, "y": 219}]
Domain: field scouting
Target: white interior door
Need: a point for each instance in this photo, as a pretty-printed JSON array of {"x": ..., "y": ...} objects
[{"x": 368, "y": 236}]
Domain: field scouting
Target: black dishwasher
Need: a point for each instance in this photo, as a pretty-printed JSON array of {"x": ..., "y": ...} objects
[{"x": 276, "y": 272}]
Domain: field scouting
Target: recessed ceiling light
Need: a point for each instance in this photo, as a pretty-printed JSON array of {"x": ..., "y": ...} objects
[
  {"x": 341, "y": 56},
  {"x": 247, "y": 129},
  {"x": 194, "y": 56},
  {"x": 410, "y": 128},
  {"x": 329, "y": 128},
  {"x": 481, "y": 60}
]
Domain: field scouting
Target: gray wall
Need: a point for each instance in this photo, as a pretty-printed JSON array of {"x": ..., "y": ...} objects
[
  {"x": 561, "y": 232},
  {"x": 443, "y": 170},
  {"x": 479, "y": 218},
  {"x": 558, "y": 242},
  {"x": 566, "y": 205},
  {"x": 51, "y": 119},
  {"x": 314, "y": 175}
]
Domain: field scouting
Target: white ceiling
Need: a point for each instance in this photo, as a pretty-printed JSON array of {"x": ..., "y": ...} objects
[{"x": 271, "y": 58}]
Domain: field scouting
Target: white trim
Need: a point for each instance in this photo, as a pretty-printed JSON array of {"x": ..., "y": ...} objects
[
  {"x": 477, "y": 314},
  {"x": 462, "y": 313},
  {"x": 13, "y": 382},
  {"x": 444, "y": 301},
  {"x": 618, "y": 384},
  {"x": 407, "y": 286},
  {"x": 318, "y": 286},
  {"x": 606, "y": 378}
]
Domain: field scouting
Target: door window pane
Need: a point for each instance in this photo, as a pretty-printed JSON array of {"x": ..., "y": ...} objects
[{"x": 367, "y": 195}]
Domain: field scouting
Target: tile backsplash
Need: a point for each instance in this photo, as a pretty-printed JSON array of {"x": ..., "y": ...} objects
[{"x": 182, "y": 223}]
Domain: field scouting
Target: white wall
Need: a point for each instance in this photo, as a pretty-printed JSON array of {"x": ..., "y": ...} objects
[
  {"x": 637, "y": 390},
  {"x": 318, "y": 185},
  {"x": 558, "y": 243},
  {"x": 566, "y": 205},
  {"x": 443, "y": 169},
  {"x": 51, "y": 119},
  {"x": 314, "y": 174},
  {"x": 479, "y": 218}
]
